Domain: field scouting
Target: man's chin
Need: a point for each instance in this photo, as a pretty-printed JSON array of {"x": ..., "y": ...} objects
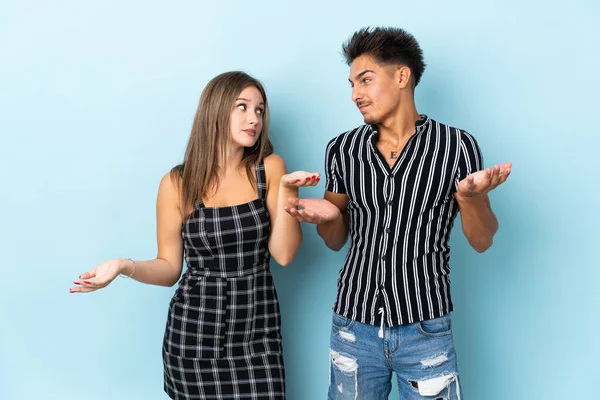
[{"x": 369, "y": 119}]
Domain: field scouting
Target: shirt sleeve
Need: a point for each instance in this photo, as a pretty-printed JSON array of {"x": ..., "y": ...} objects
[
  {"x": 470, "y": 158},
  {"x": 333, "y": 175}
]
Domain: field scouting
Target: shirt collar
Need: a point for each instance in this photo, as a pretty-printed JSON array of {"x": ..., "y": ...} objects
[{"x": 420, "y": 124}]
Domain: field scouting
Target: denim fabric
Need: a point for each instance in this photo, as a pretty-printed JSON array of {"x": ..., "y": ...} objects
[{"x": 363, "y": 357}]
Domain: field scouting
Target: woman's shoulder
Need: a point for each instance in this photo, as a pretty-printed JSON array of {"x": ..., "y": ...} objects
[
  {"x": 274, "y": 162},
  {"x": 274, "y": 167},
  {"x": 170, "y": 183}
]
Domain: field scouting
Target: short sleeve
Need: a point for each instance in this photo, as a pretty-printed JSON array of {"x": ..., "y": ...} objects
[
  {"x": 470, "y": 158},
  {"x": 333, "y": 175}
]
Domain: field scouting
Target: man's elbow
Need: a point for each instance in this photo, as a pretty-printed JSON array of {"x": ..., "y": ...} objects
[
  {"x": 480, "y": 245},
  {"x": 334, "y": 247}
]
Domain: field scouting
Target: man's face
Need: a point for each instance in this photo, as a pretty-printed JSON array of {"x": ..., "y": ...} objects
[{"x": 375, "y": 88}]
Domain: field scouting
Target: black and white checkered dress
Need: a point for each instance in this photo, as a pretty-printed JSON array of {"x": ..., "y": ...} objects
[{"x": 222, "y": 339}]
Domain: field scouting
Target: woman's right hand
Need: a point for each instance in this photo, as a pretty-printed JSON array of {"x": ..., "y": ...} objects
[{"x": 100, "y": 276}]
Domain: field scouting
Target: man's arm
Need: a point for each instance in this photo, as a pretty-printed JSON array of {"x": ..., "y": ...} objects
[
  {"x": 335, "y": 232},
  {"x": 478, "y": 221},
  {"x": 329, "y": 214}
]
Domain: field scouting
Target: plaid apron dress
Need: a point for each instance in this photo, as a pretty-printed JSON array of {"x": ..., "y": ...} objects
[{"x": 222, "y": 339}]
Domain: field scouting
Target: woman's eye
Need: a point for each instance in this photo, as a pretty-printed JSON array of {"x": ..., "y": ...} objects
[{"x": 241, "y": 106}]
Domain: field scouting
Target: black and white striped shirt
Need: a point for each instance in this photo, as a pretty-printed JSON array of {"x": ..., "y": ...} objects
[{"x": 400, "y": 220}]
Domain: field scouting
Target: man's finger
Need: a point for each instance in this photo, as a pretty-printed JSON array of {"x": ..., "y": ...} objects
[
  {"x": 302, "y": 203},
  {"x": 295, "y": 213},
  {"x": 309, "y": 215},
  {"x": 504, "y": 177},
  {"x": 306, "y": 216},
  {"x": 495, "y": 177},
  {"x": 505, "y": 169},
  {"x": 485, "y": 185},
  {"x": 300, "y": 217},
  {"x": 292, "y": 211},
  {"x": 470, "y": 182}
]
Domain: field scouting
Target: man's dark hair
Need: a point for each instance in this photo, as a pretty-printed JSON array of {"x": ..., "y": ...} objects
[{"x": 386, "y": 46}]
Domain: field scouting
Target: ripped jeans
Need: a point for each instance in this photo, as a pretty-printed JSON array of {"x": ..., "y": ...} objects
[{"x": 363, "y": 357}]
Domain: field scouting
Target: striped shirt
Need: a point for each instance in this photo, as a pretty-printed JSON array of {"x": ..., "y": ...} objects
[{"x": 399, "y": 220}]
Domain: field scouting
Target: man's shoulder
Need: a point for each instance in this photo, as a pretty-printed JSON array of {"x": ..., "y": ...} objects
[
  {"x": 456, "y": 133},
  {"x": 359, "y": 133}
]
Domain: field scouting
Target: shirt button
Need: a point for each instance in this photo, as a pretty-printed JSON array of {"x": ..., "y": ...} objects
[
  {"x": 390, "y": 203},
  {"x": 387, "y": 230}
]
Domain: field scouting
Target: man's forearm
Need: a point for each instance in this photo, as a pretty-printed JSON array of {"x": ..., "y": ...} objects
[
  {"x": 335, "y": 232},
  {"x": 478, "y": 221}
]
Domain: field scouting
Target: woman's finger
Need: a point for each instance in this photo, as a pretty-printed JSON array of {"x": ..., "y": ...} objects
[
  {"x": 88, "y": 275},
  {"x": 96, "y": 284},
  {"x": 81, "y": 289},
  {"x": 314, "y": 182}
]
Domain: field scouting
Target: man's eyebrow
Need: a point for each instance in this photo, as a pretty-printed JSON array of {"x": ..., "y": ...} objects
[{"x": 361, "y": 74}]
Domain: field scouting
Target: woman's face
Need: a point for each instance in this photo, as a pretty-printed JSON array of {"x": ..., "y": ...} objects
[{"x": 246, "y": 121}]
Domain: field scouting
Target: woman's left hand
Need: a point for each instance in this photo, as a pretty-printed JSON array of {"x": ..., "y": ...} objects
[{"x": 300, "y": 178}]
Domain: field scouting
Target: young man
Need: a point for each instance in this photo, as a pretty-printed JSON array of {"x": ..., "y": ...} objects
[{"x": 395, "y": 186}]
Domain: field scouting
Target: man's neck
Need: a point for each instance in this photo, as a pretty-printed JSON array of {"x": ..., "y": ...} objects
[{"x": 397, "y": 128}]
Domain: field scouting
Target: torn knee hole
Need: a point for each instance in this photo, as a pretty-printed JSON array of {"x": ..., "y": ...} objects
[
  {"x": 416, "y": 386},
  {"x": 433, "y": 386}
]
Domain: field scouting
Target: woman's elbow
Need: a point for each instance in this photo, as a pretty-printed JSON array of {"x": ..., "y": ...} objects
[{"x": 284, "y": 259}]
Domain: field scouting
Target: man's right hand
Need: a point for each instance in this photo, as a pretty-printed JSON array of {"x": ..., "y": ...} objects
[{"x": 314, "y": 211}]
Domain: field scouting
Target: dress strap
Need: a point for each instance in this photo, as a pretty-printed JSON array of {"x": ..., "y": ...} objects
[{"x": 261, "y": 180}]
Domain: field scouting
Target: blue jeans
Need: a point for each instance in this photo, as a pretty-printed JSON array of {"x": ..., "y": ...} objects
[{"x": 363, "y": 357}]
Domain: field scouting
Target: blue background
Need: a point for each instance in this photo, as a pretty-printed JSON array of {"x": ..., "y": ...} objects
[{"x": 96, "y": 104}]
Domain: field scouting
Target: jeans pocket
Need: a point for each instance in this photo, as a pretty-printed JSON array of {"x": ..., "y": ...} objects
[
  {"x": 436, "y": 327},
  {"x": 341, "y": 322}
]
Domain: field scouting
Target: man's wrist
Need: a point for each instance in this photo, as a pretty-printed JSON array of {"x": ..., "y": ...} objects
[{"x": 464, "y": 199}]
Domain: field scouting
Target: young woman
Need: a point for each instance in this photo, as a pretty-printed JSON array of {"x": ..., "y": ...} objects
[{"x": 224, "y": 209}]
